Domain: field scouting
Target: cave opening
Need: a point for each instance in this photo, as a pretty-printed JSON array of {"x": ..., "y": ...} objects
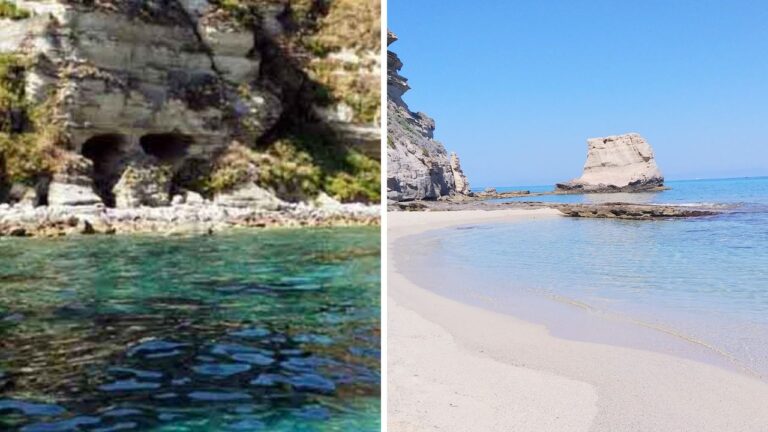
[
  {"x": 107, "y": 154},
  {"x": 166, "y": 147}
]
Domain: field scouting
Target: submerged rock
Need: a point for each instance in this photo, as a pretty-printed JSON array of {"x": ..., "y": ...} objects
[
  {"x": 73, "y": 424},
  {"x": 631, "y": 211},
  {"x": 30, "y": 408},
  {"x": 221, "y": 369},
  {"x": 619, "y": 163},
  {"x": 210, "y": 396},
  {"x": 254, "y": 358},
  {"x": 312, "y": 383},
  {"x": 155, "y": 347},
  {"x": 129, "y": 385}
]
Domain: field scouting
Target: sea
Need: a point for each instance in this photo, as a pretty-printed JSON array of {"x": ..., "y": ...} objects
[
  {"x": 692, "y": 287},
  {"x": 246, "y": 330}
]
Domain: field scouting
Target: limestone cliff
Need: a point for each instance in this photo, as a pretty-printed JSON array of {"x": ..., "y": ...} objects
[
  {"x": 619, "y": 163},
  {"x": 418, "y": 167},
  {"x": 462, "y": 184},
  {"x": 131, "y": 102}
]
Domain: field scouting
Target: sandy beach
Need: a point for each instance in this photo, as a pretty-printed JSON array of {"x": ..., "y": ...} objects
[{"x": 454, "y": 367}]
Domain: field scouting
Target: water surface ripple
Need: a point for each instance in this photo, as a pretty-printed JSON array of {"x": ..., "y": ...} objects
[
  {"x": 702, "y": 280},
  {"x": 271, "y": 330}
]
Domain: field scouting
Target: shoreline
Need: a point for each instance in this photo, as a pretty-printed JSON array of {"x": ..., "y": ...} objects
[
  {"x": 632, "y": 389},
  {"x": 59, "y": 221}
]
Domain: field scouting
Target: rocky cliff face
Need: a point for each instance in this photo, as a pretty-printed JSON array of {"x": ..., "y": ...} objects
[
  {"x": 619, "y": 163},
  {"x": 462, "y": 184},
  {"x": 143, "y": 98},
  {"x": 418, "y": 166}
]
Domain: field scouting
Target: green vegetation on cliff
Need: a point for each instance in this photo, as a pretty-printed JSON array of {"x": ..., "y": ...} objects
[
  {"x": 346, "y": 46},
  {"x": 322, "y": 53},
  {"x": 342, "y": 39},
  {"x": 28, "y": 138},
  {"x": 339, "y": 42},
  {"x": 11, "y": 11},
  {"x": 296, "y": 168}
]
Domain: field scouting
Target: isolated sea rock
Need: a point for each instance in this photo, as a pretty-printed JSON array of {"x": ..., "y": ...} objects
[
  {"x": 418, "y": 167},
  {"x": 618, "y": 163}
]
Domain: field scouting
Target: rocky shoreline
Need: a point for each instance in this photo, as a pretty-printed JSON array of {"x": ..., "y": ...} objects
[
  {"x": 205, "y": 218},
  {"x": 616, "y": 210},
  {"x": 619, "y": 210}
]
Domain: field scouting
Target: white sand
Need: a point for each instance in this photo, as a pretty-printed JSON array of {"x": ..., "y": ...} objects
[{"x": 454, "y": 367}]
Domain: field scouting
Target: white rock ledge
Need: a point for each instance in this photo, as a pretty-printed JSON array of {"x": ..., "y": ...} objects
[{"x": 55, "y": 221}]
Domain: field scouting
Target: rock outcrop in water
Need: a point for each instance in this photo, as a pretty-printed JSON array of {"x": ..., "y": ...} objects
[
  {"x": 144, "y": 99},
  {"x": 620, "y": 163},
  {"x": 418, "y": 167},
  {"x": 632, "y": 211}
]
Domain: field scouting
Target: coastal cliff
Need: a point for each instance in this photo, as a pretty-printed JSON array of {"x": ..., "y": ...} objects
[
  {"x": 619, "y": 163},
  {"x": 148, "y": 103},
  {"x": 419, "y": 167}
]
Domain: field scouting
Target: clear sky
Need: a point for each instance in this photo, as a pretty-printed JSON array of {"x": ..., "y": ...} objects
[{"x": 516, "y": 87}]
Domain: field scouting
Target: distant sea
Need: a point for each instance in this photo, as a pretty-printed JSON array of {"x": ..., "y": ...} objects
[{"x": 702, "y": 281}]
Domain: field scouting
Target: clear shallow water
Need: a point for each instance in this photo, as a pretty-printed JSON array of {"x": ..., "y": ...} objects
[
  {"x": 702, "y": 280},
  {"x": 748, "y": 191},
  {"x": 270, "y": 330}
]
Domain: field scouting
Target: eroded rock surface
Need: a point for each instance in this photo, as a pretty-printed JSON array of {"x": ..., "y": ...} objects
[
  {"x": 632, "y": 211},
  {"x": 462, "y": 184},
  {"x": 136, "y": 86},
  {"x": 614, "y": 210},
  {"x": 143, "y": 184},
  {"x": 619, "y": 163},
  {"x": 418, "y": 167},
  {"x": 251, "y": 196},
  {"x": 73, "y": 184}
]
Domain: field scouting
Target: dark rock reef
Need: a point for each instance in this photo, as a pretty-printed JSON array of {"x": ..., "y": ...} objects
[
  {"x": 616, "y": 210},
  {"x": 632, "y": 211}
]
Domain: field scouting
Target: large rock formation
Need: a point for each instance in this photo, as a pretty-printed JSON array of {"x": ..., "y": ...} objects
[
  {"x": 72, "y": 185},
  {"x": 165, "y": 84},
  {"x": 619, "y": 163},
  {"x": 462, "y": 184},
  {"x": 418, "y": 166}
]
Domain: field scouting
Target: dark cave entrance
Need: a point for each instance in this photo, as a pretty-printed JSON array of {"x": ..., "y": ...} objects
[
  {"x": 166, "y": 147},
  {"x": 107, "y": 154}
]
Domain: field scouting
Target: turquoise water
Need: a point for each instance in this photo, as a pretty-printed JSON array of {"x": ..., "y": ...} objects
[
  {"x": 702, "y": 280},
  {"x": 747, "y": 191},
  {"x": 245, "y": 331}
]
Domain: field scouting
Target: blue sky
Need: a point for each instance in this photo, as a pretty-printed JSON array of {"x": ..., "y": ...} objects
[{"x": 516, "y": 87}]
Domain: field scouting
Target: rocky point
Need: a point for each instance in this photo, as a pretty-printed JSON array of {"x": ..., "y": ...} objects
[
  {"x": 619, "y": 163},
  {"x": 419, "y": 167}
]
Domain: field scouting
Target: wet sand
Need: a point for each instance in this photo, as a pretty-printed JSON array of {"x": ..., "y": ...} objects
[{"x": 457, "y": 367}]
